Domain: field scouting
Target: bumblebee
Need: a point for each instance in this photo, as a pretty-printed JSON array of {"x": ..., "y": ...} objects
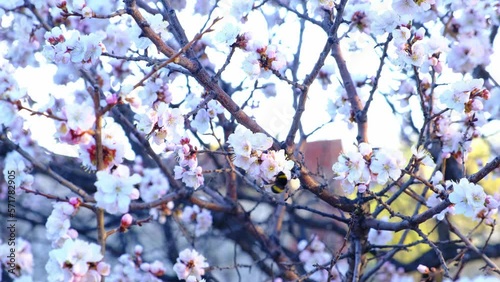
[{"x": 279, "y": 183}]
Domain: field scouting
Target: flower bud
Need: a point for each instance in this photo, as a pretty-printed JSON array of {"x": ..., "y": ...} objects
[
  {"x": 126, "y": 222},
  {"x": 365, "y": 149},
  {"x": 170, "y": 205},
  {"x": 438, "y": 67},
  {"x": 87, "y": 12},
  {"x": 75, "y": 202},
  {"x": 491, "y": 202},
  {"x": 138, "y": 249},
  {"x": 485, "y": 94},
  {"x": 103, "y": 268},
  {"x": 294, "y": 183},
  {"x": 112, "y": 99},
  {"x": 420, "y": 33},
  {"x": 423, "y": 269}
]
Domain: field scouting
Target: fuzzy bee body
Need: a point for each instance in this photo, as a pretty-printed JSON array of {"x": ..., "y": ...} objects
[{"x": 279, "y": 183}]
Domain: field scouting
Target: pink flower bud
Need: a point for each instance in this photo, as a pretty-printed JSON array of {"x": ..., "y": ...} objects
[
  {"x": 485, "y": 94},
  {"x": 185, "y": 140},
  {"x": 75, "y": 202},
  {"x": 433, "y": 61},
  {"x": 438, "y": 67},
  {"x": 112, "y": 99},
  {"x": 185, "y": 149},
  {"x": 491, "y": 202},
  {"x": 61, "y": 4},
  {"x": 138, "y": 250},
  {"x": 365, "y": 149},
  {"x": 126, "y": 221},
  {"x": 138, "y": 168}
]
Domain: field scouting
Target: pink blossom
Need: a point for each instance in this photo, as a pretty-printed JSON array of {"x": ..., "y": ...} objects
[
  {"x": 115, "y": 191},
  {"x": 190, "y": 262}
]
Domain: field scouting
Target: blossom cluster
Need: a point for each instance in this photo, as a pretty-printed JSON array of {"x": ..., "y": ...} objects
[
  {"x": 133, "y": 268},
  {"x": 73, "y": 47},
  {"x": 314, "y": 253},
  {"x": 161, "y": 123},
  {"x": 411, "y": 47},
  {"x": 187, "y": 170},
  {"x": 339, "y": 106},
  {"x": 262, "y": 60},
  {"x": 164, "y": 123},
  {"x": 360, "y": 169},
  {"x": 162, "y": 211},
  {"x": 153, "y": 186},
  {"x": 19, "y": 167},
  {"x": 10, "y": 94},
  {"x": 78, "y": 6},
  {"x": 465, "y": 96},
  {"x": 465, "y": 36},
  {"x": 469, "y": 28},
  {"x": 154, "y": 92},
  {"x": 456, "y": 129},
  {"x": 13, "y": 98},
  {"x": 434, "y": 199},
  {"x": 462, "y": 109},
  {"x": 116, "y": 190},
  {"x": 201, "y": 121},
  {"x": 58, "y": 223},
  {"x": 76, "y": 260},
  {"x": 414, "y": 49},
  {"x": 74, "y": 126},
  {"x": 468, "y": 199},
  {"x": 115, "y": 147},
  {"x": 251, "y": 153},
  {"x": 196, "y": 219}
]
